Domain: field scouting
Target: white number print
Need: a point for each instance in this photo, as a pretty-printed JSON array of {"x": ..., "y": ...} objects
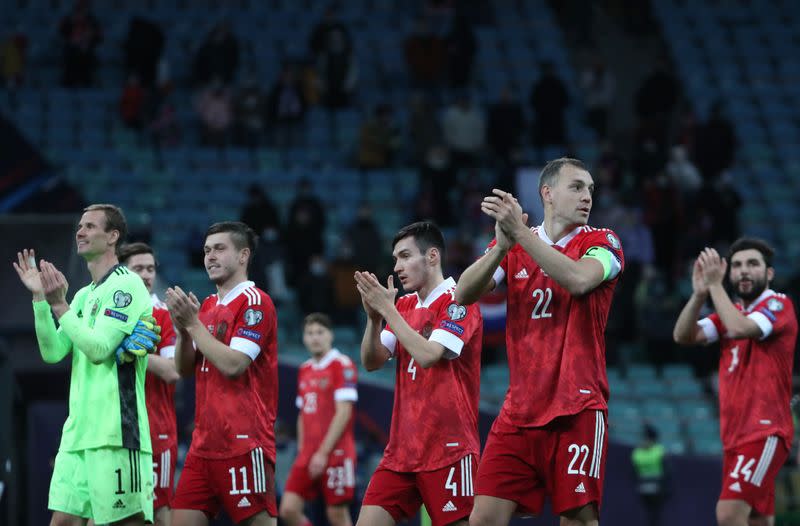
[
  {"x": 542, "y": 298},
  {"x": 412, "y": 369},
  {"x": 746, "y": 470},
  {"x": 734, "y": 359},
  {"x": 341, "y": 477},
  {"x": 465, "y": 466},
  {"x": 310, "y": 403},
  {"x": 576, "y": 451},
  {"x": 234, "y": 489}
]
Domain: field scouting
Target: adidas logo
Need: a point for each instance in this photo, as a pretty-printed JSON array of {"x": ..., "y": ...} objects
[
  {"x": 522, "y": 274},
  {"x": 118, "y": 505},
  {"x": 449, "y": 506},
  {"x": 580, "y": 488},
  {"x": 244, "y": 503},
  {"x": 735, "y": 487}
]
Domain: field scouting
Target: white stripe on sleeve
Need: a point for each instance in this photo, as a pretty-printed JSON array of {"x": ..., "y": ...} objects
[
  {"x": 763, "y": 323},
  {"x": 709, "y": 329}
]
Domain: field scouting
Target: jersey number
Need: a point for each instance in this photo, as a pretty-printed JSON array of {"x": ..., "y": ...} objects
[
  {"x": 234, "y": 489},
  {"x": 466, "y": 478},
  {"x": 310, "y": 403},
  {"x": 734, "y": 359},
  {"x": 576, "y": 451},
  {"x": 542, "y": 298},
  {"x": 341, "y": 477},
  {"x": 745, "y": 470},
  {"x": 412, "y": 369},
  {"x": 119, "y": 491}
]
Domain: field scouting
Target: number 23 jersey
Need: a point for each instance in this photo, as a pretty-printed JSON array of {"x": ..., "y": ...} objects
[{"x": 556, "y": 341}]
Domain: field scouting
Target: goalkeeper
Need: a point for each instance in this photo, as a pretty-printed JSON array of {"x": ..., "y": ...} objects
[{"x": 104, "y": 469}]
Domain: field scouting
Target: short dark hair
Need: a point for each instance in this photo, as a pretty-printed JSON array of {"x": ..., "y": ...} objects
[
  {"x": 747, "y": 243},
  {"x": 241, "y": 234},
  {"x": 115, "y": 220},
  {"x": 128, "y": 250},
  {"x": 426, "y": 235},
  {"x": 553, "y": 168},
  {"x": 318, "y": 317}
]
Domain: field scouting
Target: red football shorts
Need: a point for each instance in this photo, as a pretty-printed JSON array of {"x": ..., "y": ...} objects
[
  {"x": 337, "y": 483},
  {"x": 242, "y": 486},
  {"x": 163, "y": 475},
  {"x": 749, "y": 471},
  {"x": 564, "y": 459},
  {"x": 446, "y": 492}
]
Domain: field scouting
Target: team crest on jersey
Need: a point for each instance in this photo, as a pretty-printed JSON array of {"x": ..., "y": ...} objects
[
  {"x": 95, "y": 308},
  {"x": 122, "y": 299},
  {"x": 253, "y": 317},
  {"x": 457, "y": 312},
  {"x": 222, "y": 328},
  {"x": 613, "y": 240},
  {"x": 775, "y": 305}
]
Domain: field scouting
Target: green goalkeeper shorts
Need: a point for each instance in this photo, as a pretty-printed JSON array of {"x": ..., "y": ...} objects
[{"x": 106, "y": 484}]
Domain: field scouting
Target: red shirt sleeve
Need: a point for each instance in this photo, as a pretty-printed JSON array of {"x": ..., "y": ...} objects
[
  {"x": 251, "y": 328},
  {"x": 455, "y": 325}
]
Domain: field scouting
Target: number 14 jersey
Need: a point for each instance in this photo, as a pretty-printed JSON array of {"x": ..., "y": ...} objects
[{"x": 556, "y": 341}]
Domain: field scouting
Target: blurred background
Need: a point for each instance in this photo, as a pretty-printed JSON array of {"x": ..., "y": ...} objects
[{"x": 328, "y": 126}]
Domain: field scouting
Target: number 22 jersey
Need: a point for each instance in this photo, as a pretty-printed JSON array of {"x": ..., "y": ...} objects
[{"x": 556, "y": 341}]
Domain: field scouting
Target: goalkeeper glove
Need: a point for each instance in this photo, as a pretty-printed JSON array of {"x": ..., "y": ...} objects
[{"x": 142, "y": 341}]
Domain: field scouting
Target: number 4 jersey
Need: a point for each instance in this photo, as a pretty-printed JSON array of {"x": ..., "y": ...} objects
[
  {"x": 435, "y": 413},
  {"x": 556, "y": 341},
  {"x": 755, "y": 374}
]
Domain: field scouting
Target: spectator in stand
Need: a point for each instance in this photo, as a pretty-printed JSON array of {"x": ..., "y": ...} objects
[
  {"x": 684, "y": 175},
  {"x": 267, "y": 268},
  {"x": 656, "y": 99},
  {"x": 423, "y": 128},
  {"x": 715, "y": 145},
  {"x": 425, "y": 58},
  {"x": 723, "y": 203},
  {"x": 506, "y": 125},
  {"x": 315, "y": 287},
  {"x": 598, "y": 87},
  {"x": 81, "y": 34},
  {"x": 132, "y": 103},
  {"x": 332, "y": 47},
  {"x": 464, "y": 130},
  {"x": 215, "y": 110},
  {"x": 286, "y": 108},
  {"x": 164, "y": 126},
  {"x": 304, "y": 230},
  {"x": 438, "y": 177},
  {"x": 259, "y": 212},
  {"x": 378, "y": 140},
  {"x": 13, "y": 55},
  {"x": 365, "y": 239},
  {"x": 218, "y": 56},
  {"x": 143, "y": 47},
  {"x": 249, "y": 108},
  {"x": 549, "y": 100},
  {"x": 461, "y": 49}
]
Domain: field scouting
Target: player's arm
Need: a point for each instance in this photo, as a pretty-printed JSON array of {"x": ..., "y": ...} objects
[
  {"x": 479, "y": 278},
  {"x": 300, "y": 430},
  {"x": 737, "y": 325},
  {"x": 99, "y": 342},
  {"x": 163, "y": 368},
  {"x": 425, "y": 352},
  {"x": 374, "y": 352},
  {"x": 54, "y": 345},
  {"x": 185, "y": 353},
  {"x": 344, "y": 410},
  {"x": 230, "y": 362}
]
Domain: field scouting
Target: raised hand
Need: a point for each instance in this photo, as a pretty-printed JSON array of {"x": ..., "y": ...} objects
[
  {"x": 28, "y": 273},
  {"x": 373, "y": 294},
  {"x": 182, "y": 308},
  {"x": 54, "y": 283},
  {"x": 698, "y": 280},
  {"x": 713, "y": 267},
  {"x": 506, "y": 210}
]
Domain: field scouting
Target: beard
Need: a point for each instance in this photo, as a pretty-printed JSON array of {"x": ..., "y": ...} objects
[{"x": 758, "y": 285}]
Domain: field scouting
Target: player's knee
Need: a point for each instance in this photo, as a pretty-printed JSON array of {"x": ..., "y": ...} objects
[
  {"x": 482, "y": 518},
  {"x": 730, "y": 516},
  {"x": 290, "y": 514},
  {"x": 338, "y": 516}
]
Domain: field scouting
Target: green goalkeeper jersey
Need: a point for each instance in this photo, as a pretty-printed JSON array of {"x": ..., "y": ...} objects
[{"x": 106, "y": 400}]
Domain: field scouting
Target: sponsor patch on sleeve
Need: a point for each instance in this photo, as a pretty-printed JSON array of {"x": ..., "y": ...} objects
[
  {"x": 768, "y": 314},
  {"x": 452, "y": 327},
  {"x": 111, "y": 313},
  {"x": 248, "y": 333}
]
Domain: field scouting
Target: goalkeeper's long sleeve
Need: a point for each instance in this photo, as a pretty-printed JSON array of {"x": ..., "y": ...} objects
[
  {"x": 54, "y": 345},
  {"x": 98, "y": 343}
]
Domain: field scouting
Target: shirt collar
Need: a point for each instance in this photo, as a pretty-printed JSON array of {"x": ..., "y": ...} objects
[
  {"x": 443, "y": 287},
  {"x": 764, "y": 295},
  {"x": 235, "y": 291},
  {"x": 561, "y": 242},
  {"x": 327, "y": 359},
  {"x": 107, "y": 274}
]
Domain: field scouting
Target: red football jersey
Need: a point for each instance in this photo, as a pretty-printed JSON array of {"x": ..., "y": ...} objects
[
  {"x": 159, "y": 395},
  {"x": 755, "y": 375},
  {"x": 435, "y": 414},
  {"x": 556, "y": 341},
  {"x": 319, "y": 386},
  {"x": 235, "y": 416}
]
